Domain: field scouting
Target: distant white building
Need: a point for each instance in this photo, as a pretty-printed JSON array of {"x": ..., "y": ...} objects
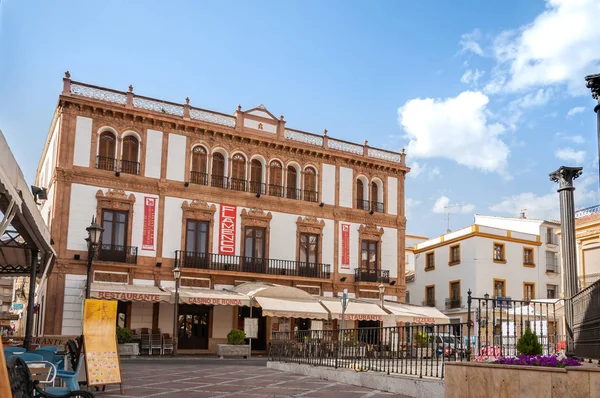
[
  {"x": 411, "y": 242},
  {"x": 504, "y": 257}
]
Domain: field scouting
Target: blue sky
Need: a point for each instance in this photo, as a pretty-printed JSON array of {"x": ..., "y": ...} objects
[{"x": 487, "y": 97}]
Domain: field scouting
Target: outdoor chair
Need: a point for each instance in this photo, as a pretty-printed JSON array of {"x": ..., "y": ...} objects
[
  {"x": 69, "y": 377},
  {"x": 49, "y": 356},
  {"x": 167, "y": 343},
  {"x": 22, "y": 385},
  {"x": 51, "y": 348},
  {"x": 14, "y": 350},
  {"x": 145, "y": 343},
  {"x": 156, "y": 343},
  {"x": 30, "y": 357}
]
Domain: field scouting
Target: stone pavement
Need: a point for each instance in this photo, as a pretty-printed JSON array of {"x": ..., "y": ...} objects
[{"x": 204, "y": 377}]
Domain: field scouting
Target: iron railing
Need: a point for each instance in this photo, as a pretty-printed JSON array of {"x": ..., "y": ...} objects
[
  {"x": 218, "y": 181},
  {"x": 293, "y": 193},
  {"x": 106, "y": 163},
  {"x": 311, "y": 196},
  {"x": 130, "y": 167},
  {"x": 453, "y": 302},
  {"x": 552, "y": 239},
  {"x": 237, "y": 184},
  {"x": 428, "y": 303},
  {"x": 257, "y": 187},
  {"x": 587, "y": 280},
  {"x": 371, "y": 275},
  {"x": 362, "y": 204},
  {"x": 223, "y": 262},
  {"x": 197, "y": 177},
  {"x": 118, "y": 253},
  {"x": 553, "y": 267},
  {"x": 586, "y": 321},
  {"x": 588, "y": 211},
  {"x": 276, "y": 190},
  {"x": 377, "y": 207}
]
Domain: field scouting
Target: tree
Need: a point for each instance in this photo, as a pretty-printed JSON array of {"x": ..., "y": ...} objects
[{"x": 529, "y": 344}]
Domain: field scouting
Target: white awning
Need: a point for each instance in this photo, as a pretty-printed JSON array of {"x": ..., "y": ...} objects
[
  {"x": 355, "y": 311},
  {"x": 415, "y": 313},
  {"x": 289, "y": 308},
  {"x": 189, "y": 295},
  {"x": 122, "y": 292}
]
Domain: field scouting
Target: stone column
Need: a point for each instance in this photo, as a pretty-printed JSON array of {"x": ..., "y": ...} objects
[
  {"x": 565, "y": 176},
  {"x": 593, "y": 83}
]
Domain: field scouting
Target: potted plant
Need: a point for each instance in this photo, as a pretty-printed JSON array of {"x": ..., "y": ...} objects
[
  {"x": 235, "y": 346},
  {"x": 127, "y": 345}
]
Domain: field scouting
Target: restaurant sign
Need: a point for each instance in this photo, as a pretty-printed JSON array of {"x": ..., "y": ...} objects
[
  {"x": 361, "y": 317},
  {"x": 227, "y": 227},
  {"x": 212, "y": 301},
  {"x": 419, "y": 319},
  {"x": 129, "y": 296}
]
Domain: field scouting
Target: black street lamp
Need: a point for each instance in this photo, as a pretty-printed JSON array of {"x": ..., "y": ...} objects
[
  {"x": 176, "y": 275},
  {"x": 93, "y": 240},
  {"x": 593, "y": 83}
]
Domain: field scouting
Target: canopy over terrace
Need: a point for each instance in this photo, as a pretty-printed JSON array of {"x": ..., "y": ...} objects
[
  {"x": 25, "y": 247},
  {"x": 123, "y": 292},
  {"x": 416, "y": 314},
  {"x": 356, "y": 310},
  {"x": 283, "y": 301}
]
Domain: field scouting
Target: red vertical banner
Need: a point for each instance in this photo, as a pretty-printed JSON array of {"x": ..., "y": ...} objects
[
  {"x": 345, "y": 246},
  {"x": 227, "y": 228},
  {"x": 149, "y": 218}
]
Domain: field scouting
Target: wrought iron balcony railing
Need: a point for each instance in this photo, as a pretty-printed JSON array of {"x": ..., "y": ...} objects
[
  {"x": 237, "y": 184},
  {"x": 130, "y": 167},
  {"x": 293, "y": 193},
  {"x": 377, "y": 207},
  {"x": 106, "y": 163},
  {"x": 428, "y": 303},
  {"x": 362, "y": 204},
  {"x": 553, "y": 267},
  {"x": 117, "y": 253},
  {"x": 276, "y": 190},
  {"x": 372, "y": 275},
  {"x": 197, "y": 177},
  {"x": 257, "y": 187},
  {"x": 223, "y": 262},
  {"x": 218, "y": 181},
  {"x": 311, "y": 196},
  {"x": 453, "y": 302}
]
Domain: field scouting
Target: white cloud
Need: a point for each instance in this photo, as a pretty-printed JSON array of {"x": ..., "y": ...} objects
[
  {"x": 434, "y": 172},
  {"x": 455, "y": 128},
  {"x": 416, "y": 169},
  {"x": 575, "y": 111},
  {"x": 560, "y": 46},
  {"x": 570, "y": 155},
  {"x": 442, "y": 205},
  {"x": 575, "y": 138},
  {"x": 471, "y": 76},
  {"x": 470, "y": 42},
  {"x": 533, "y": 99}
]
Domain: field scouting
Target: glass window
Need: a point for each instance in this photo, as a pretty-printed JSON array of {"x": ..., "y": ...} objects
[
  {"x": 455, "y": 294},
  {"x": 369, "y": 255},
  {"x": 429, "y": 261},
  {"x": 254, "y": 242},
  {"x": 454, "y": 254},
  {"x": 528, "y": 256},
  {"x": 551, "y": 291},
  {"x": 430, "y": 296},
  {"x": 499, "y": 288},
  {"x": 275, "y": 178},
  {"x": 528, "y": 291},
  {"x": 199, "y": 157},
  {"x": 107, "y": 145},
  {"x": 360, "y": 195},
  {"x": 218, "y": 165},
  {"x": 310, "y": 179},
  {"x": 499, "y": 252},
  {"x": 197, "y": 236},
  {"x": 130, "y": 149},
  {"x": 309, "y": 248},
  {"x": 115, "y": 227}
]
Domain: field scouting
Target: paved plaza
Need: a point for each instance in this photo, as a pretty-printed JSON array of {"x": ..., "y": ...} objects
[{"x": 207, "y": 377}]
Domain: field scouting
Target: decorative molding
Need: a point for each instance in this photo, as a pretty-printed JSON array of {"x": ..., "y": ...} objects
[
  {"x": 157, "y": 106},
  {"x": 210, "y": 117},
  {"x": 116, "y": 199},
  {"x": 98, "y": 94},
  {"x": 198, "y": 210},
  {"x": 345, "y": 146},
  {"x": 256, "y": 217},
  {"x": 303, "y": 137},
  {"x": 370, "y": 232},
  {"x": 310, "y": 225},
  {"x": 384, "y": 155}
]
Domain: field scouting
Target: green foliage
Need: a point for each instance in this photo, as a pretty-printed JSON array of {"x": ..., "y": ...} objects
[
  {"x": 124, "y": 335},
  {"x": 422, "y": 339},
  {"x": 529, "y": 344},
  {"x": 236, "y": 337}
]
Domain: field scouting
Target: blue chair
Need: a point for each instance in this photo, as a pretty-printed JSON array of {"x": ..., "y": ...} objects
[
  {"x": 51, "y": 348},
  {"x": 70, "y": 379},
  {"x": 29, "y": 357},
  {"x": 49, "y": 356},
  {"x": 7, "y": 356},
  {"x": 14, "y": 350}
]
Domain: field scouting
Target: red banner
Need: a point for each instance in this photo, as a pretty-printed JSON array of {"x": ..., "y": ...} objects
[
  {"x": 227, "y": 227},
  {"x": 345, "y": 246},
  {"x": 149, "y": 217}
]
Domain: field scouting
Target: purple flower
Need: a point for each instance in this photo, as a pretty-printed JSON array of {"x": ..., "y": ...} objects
[{"x": 550, "y": 361}]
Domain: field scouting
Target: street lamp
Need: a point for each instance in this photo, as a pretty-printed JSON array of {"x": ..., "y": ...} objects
[
  {"x": 381, "y": 292},
  {"x": 176, "y": 275},
  {"x": 93, "y": 240}
]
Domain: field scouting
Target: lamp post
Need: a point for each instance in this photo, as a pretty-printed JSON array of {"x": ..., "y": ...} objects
[
  {"x": 176, "y": 275},
  {"x": 93, "y": 240}
]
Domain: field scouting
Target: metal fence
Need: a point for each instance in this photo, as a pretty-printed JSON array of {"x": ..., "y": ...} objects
[
  {"x": 493, "y": 328},
  {"x": 586, "y": 322}
]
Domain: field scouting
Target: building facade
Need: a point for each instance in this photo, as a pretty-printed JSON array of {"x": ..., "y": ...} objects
[
  {"x": 7, "y": 296},
  {"x": 227, "y": 198},
  {"x": 411, "y": 242},
  {"x": 502, "y": 262},
  {"x": 587, "y": 235}
]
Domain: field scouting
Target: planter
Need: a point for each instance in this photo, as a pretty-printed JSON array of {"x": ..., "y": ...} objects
[
  {"x": 228, "y": 350},
  {"x": 472, "y": 379},
  {"x": 129, "y": 350}
]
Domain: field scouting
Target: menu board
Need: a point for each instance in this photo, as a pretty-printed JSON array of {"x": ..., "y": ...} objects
[
  {"x": 4, "y": 383},
  {"x": 100, "y": 342}
]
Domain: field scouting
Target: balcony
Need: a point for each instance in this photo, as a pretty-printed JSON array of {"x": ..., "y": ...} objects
[
  {"x": 372, "y": 275},
  {"x": 311, "y": 196},
  {"x": 293, "y": 193},
  {"x": 275, "y": 190},
  {"x": 199, "y": 178},
  {"x": 362, "y": 204},
  {"x": 428, "y": 303},
  {"x": 552, "y": 267},
  {"x": 236, "y": 184},
  {"x": 453, "y": 302},
  {"x": 106, "y": 163},
  {"x": 377, "y": 207},
  {"x": 130, "y": 167},
  {"x": 222, "y": 262},
  {"x": 118, "y": 253},
  {"x": 258, "y": 187},
  {"x": 218, "y": 181},
  {"x": 552, "y": 239}
]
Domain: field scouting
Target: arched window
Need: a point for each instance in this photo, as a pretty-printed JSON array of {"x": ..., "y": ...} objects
[
  {"x": 310, "y": 185},
  {"x": 292, "y": 183},
  {"x": 256, "y": 171},
  {"x": 361, "y": 203},
  {"x": 376, "y": 199},
  {"x": 238, "y": 172},
  {"x": 218, "y": 171},
  {"x": 129, "y": 157},
  {"x": 106, "y": 151},
  {"x": 198, "y": 173},
  {"x": 275, "y": 178}
]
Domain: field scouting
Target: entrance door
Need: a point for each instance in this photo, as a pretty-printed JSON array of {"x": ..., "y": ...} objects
[
  {"x": 193, "y": 327},
  {"x": 259, "y": 343}
]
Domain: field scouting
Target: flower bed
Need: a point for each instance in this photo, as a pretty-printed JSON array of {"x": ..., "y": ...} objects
[{"x": 548, "y": 361}]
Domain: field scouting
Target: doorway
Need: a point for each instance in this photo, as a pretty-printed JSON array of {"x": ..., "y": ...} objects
[
  {"x": 259, "y": 343},
  {"x": 193, "y": 327}
]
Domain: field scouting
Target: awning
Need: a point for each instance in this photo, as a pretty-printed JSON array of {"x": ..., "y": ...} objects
[
  {"x": 188, "y": 295},
  {"x": 415, "y": 313},
  {"x": 289, "y": 308},
  {"x": 355, "y": 311},
  {"x": 122, "y": 292}
]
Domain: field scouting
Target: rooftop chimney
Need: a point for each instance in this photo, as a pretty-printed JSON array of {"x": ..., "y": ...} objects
[{"x": 522, "y": 214}]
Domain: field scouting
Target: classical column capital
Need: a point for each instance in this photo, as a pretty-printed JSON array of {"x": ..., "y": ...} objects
[
  {"x": 565, "y": 176},
  {"x": 593, "y": 83}
]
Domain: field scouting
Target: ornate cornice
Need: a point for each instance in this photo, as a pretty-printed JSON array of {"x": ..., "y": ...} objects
[
  {"x": 198, "y": 210},
  {"x": 113, "y": 195},
  {"x": 310, "y": 225}
]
